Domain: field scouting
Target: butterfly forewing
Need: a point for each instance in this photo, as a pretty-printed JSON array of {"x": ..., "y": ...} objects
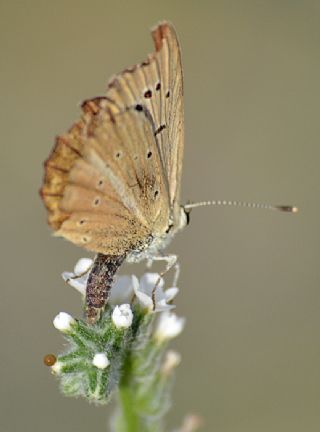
[{"x": 157, "y": 83}]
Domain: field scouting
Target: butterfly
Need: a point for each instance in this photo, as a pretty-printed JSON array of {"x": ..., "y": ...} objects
[{"x": 112, "y": 182}]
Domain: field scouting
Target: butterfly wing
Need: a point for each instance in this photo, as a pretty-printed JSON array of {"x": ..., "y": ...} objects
[
  {"x": 104, "y": 185},
  {"x": 157, "y": 83}
]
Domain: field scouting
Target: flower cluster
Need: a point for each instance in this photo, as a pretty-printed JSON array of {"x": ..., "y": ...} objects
[
  {"x": 126, "y": 347},
  {"x": 125, "y": 287}
]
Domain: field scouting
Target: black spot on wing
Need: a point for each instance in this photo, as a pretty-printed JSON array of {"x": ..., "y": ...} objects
[
  {"x": 160, "y": 129},
  {"x": 148, "y": 94}
]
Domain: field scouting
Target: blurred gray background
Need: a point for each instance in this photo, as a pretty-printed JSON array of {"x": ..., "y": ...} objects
[{"x": 250, "y": 279}]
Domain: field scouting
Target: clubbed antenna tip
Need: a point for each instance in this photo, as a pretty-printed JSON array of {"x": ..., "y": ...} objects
[{"x": 287, "y": 209}]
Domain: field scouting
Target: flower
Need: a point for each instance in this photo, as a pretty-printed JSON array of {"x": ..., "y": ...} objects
[
  {"x": 150, "y": 294},
  {"x": 79, "y": 277},
  {"x": 56, "y": 368},
  {"x": 121, "y": 291},
  {"x": 148, "y": 290},
  {"x": 191, "y": 423},
  {"x": 101, "y": 361},
  {"x": 169, "y": 326},
  {"x": 122, "y": 316},
  {"x": 63, "y": 322},
  {"x": 83, "y": 266},
  {"x": 171, "y": 361}
]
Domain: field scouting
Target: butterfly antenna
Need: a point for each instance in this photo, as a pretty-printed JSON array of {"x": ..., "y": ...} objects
[{"x": 282, "y": 208}]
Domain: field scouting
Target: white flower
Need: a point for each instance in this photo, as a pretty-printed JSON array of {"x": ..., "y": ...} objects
[
  {"x": 79, "y": 277},
  {"x": 125, "y": 287},
  {"x": 121, "y": 291},
  {"x": 171, "y": 361},
  {"x": 151, "y": 298},
  {"x": 63, "y": 322},
  {"x": 169, "y": 326},
  {"x": 100, "y": 360},
  {"x": 191, "y": 423},
  {"x": 83, "y": 265},
  {"x": 122, "y": 316},
  {"x": 56, "y": 368}
]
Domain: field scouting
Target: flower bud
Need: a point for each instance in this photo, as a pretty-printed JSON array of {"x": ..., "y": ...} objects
[
  {"x": 171, "y": 361},
  {"x": 100, "y": 360},
  {"x": 56, "y": 368},
  {"x": 122, "y": 316},
  {"x": 169, "y": 326},
  {"x": 63, "y": 322}
]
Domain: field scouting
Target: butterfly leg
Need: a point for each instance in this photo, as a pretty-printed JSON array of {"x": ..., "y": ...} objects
[
  {"x": 80, "y": 275},
  {"x": 172, "y": 262},
  {"x": 149, "y": 263},
  {"x": 99, "y": 284},
  {"x": 177, "y": 273}
]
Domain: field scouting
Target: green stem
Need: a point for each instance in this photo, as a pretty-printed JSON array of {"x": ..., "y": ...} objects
[
  {"x": 144, "y": 393},
  {"x": 128, "y": 420}
]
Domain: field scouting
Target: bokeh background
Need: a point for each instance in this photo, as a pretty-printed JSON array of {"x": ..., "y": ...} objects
[{"x": 250, "y": 278}]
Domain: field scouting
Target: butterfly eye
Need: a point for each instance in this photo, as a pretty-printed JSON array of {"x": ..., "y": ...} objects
[
  {"x": 149, "y": 154},
  {"x": 118, "y": 155},
  {"x": 148, "y": 94},
  {"x": 81, "y": 222},
  {"x": 158, "y": 86},
  {"x": 139, "y": 107},
  {"x": 187, "y": 216}
]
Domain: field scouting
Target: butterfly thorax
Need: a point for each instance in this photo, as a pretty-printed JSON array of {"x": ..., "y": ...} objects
[{"x": 157, "y": 243}]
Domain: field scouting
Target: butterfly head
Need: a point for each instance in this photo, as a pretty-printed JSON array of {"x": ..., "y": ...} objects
[{"x": 182, "y": 219}]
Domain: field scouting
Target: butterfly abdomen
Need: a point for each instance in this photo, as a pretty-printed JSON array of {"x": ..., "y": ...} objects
[{"x": 99, "y": 284}]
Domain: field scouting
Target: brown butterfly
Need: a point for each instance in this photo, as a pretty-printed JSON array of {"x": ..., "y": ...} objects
[{"x": 112, "y": 182}]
